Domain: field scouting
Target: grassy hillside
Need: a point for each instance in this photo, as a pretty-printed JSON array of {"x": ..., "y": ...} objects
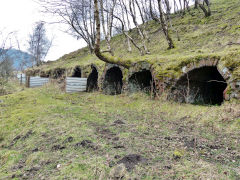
[
  {"x": 9, "y": 87},
  {"x": 47, "y": 134},
  {"x": 200, "y": 38}
]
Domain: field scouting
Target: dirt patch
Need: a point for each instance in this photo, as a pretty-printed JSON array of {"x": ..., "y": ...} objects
[
  {"x": 20, "y": 137},
  {"x": 192, "y": 143},
  {"x": 57, "y": 147},
  {"x": 106, "y": 134},
  {"x": 35, "y": 150},
  {"x": 18, "y": 166},
  {"x": 219, "y": 150},
  {"x": 68, "y": 140},
  {"x": 14, "y": 141},
  {"x": 116, "y": 139},
  {"x": 86, "y": 144},
  {"x": 130, "y": 161},
  {"x": 200, "y": 143},
  {"x": 118, "y": 147},
  {"x": 28, "y": 173},
  {"x": 118, "y": 122},
  {"x": 31, "y": 172},
  {"x": 117, "y": 157},
  {"x": 27, "y": 135},
  {"x": 34, "y": 169}
]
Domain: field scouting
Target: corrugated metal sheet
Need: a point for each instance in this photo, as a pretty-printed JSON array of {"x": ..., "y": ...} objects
[
  {"x": 76, "y": 84},
  {"x": 37, "y": 81},
  {"x": 21, "y": 78}
]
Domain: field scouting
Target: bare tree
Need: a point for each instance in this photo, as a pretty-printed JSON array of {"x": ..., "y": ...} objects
[
  {"x": 6, "y": 64},
  {"x": 6, "y": 71},
  {"x": 78, "y": 15},
  {"x": 24, "y": 61},
  {"x": 123, "y": 17},
  {"x": 85, "y": 18},
  {"x": 5, "y": 61},
  {"x": 39, "y": 44},
  {"x": 162, "y": 20},
  {"x": 125, "y": 31},
  {"x": 6, "y": 67},
  {"x": 135, "y": 7},
  {"x": 125, "y": 14},
  {"x": 97, "y": 49},
  {"x": 107, "y": 10},
  {"x": 81, "y": 18},
  {"x": 201, "y": 4},
  {"x": 132, "y": 12}
]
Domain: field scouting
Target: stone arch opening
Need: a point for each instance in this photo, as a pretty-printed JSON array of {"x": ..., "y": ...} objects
[
  {"x": 58, "y": 73},
  {"x": 77, "y": 72},
  {"x": 92, "y": 81},
  {"x": 141, "y": 81},
  {"x": 113, "y": 83},
  {"x": 204, "y": 85}
]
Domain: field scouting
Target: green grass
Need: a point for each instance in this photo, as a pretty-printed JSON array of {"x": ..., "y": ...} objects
[
  {"x": 201, "y": 38},
  {"x": 9, "y": 86},
  {"x": 35, "y": 124}
]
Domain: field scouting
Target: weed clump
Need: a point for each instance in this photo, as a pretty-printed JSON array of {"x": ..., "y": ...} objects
[{"x": 178, "y": 154}]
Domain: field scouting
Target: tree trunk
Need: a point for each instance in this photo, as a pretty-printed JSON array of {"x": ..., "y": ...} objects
[
  {"x": 165, "y": 26},
  {"x": 140, "y": 32},
  {"x": 196, "y": 4},
  {"x": 107, "y": 59},
  {"x": 207, "y": 12},
  {"x": 129, "y": 38},
  {"x": 129, "y": 45},
  {"x": 107, "y": 33}
]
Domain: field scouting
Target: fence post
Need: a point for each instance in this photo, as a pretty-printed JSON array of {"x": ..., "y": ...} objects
[
  {"x": 28, "y": 81},
  {"x": 21, "y": 80}
]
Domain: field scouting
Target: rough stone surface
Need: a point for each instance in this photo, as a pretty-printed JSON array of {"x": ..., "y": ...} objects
[{"x": 118, "y": 172}]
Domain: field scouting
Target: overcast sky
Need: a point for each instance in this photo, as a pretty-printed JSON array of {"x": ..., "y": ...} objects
[{"x": 20, "y": 16}]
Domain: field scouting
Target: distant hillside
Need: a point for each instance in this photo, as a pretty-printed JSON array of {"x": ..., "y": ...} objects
[{"x": 19, "y": 58}]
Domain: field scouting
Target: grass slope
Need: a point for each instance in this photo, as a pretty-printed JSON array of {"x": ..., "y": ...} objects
[
  {"x": 47, "y": 134},
  {"x": 200, "y": 38},
  {"x": 9, "y": 87}
]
